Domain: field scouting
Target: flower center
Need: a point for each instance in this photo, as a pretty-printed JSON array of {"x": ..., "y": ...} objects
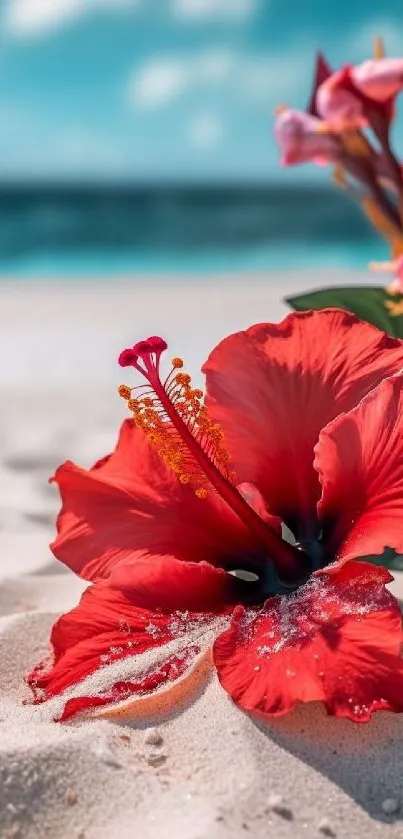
[
  {"x": 173, "y": 417},
  {"x": 255, "y": 587}
]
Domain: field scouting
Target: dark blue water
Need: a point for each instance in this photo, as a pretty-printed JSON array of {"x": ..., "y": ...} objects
[{"x": 93, "y": 231}]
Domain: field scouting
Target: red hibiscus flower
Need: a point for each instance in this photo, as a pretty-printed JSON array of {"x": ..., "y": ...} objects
[{"x": 181, "y": 533}]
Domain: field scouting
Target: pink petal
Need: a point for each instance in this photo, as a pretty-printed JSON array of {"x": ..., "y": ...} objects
[
  {"x": 300, "y": 140},
  {"x": 379, "y": 79}
]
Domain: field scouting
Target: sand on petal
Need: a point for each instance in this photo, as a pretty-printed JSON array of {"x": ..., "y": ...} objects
[{"x": 168, "y": 701}]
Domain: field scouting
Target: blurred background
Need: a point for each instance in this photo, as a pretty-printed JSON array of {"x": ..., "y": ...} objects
[{"x": 136, "y": 136}]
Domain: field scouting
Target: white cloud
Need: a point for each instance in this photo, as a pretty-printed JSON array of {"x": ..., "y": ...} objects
[
  {"x": 31, "y": 18},
  {"x": 162, "y": 79},
  {"x": 158, "y": 82},
  {"x": 252, "y": 77},
  {"x": 205, "y": 131},
  {"x": 199, "y": 10},
  {"x": 214, "y": 65},
  {"x": 23, "y": 17}
]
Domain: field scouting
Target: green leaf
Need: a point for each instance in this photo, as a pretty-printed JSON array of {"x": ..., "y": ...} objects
[
  {"x": 367, "y": 302},
  {"x": 389, "y": 559}
]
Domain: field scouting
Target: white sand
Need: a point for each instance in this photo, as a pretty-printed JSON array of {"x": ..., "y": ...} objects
[{"x": 222, "y": 775}]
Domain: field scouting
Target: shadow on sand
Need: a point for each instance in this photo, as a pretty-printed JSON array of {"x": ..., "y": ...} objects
[{"x": 366, "y": 760}]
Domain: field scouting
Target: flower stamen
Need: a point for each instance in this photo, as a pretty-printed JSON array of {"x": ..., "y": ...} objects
[{"x": 176, "y": 421}]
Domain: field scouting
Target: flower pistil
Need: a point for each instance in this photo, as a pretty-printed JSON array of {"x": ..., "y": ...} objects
[{"x": 175, "y": 420}]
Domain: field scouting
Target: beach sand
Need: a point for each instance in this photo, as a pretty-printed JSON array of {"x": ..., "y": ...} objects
[{"x": 220, "y": 773}]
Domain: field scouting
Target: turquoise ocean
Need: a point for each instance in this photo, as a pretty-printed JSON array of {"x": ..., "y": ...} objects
[{"x": 103, "y": 232}]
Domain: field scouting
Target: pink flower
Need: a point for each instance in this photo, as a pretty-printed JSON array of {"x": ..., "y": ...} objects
[
  {"x": 340, "y": 103},
  {"x": 300, "y": 139},
  {"x": 353, "y": 96},
  {"x": 379, "y": 79}
]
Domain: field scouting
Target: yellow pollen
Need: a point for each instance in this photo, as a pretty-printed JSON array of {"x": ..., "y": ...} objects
[
  {"x": 182, "y": 378},
  {"x": 125, "y": 391},
  {"x": 151, "y": 415},
  {"x": 215, "y": 431}
]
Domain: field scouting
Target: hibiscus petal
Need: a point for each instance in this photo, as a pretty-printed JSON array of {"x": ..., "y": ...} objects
[
  {"x": 359, "y": 458},
  {"x": 274, "y": 386},
  {"x": 143, "y": 629},
  {"x": 130, "y": 504},
  {"x": 337, "y": 640},
  {"x": 379, "y": 79}
]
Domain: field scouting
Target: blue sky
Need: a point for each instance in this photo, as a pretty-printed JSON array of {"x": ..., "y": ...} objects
[{"x": 167, "y": 89}]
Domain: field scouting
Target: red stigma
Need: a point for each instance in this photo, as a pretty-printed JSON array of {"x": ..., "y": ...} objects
[
  {"x": 126, "y": 358},
  {"x": 148, "y": 351},
  {"x": 158, "y": 344}
]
